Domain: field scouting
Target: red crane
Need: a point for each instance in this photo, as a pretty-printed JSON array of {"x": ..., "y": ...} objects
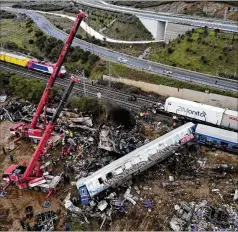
[
  {"x": 32, "y": 175},
  {"x": 24, "y": 130}
]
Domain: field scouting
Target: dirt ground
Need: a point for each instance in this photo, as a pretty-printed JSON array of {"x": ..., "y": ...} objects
[
  {"x": 12, "y": 206},
  {"x": 164, "y": 198},
  {"x": 154, "y": 185}
]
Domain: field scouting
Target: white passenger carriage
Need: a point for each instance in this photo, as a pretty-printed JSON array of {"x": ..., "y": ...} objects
[{"x": 134, "y": 163}]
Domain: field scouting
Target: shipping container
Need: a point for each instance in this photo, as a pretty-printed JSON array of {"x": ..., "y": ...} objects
[
  {"x": 16, "y": 59},
  {"x": 230, "y": 119},
  {"x": 194, "y": 110}
]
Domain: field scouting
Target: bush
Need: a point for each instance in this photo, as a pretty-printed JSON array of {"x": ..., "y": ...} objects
[
  {"x": 92, "y": 58},
  {"x": 29, "y": 89},
  {"x": 170, "y": 50},
  {"x": 38, "y": 33},
  {"x": 10, "y": 45},
  {"x": 4, "y": 80},
  {"x": 204, "y": 59},
  {"x": 31, "y": 41},
  {"x": 86, "y": 104}
]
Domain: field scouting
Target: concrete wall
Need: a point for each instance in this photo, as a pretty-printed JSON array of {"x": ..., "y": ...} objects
[
  {"x": 156, "y": 28},
  {"x": 191, "y": 95}
]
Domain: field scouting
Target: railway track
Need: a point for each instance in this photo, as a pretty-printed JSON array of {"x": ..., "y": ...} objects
[{"x": 90, "y": 90}]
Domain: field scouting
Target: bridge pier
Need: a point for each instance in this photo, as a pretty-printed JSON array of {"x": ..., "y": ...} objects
[{"x": 155, "y": 27}]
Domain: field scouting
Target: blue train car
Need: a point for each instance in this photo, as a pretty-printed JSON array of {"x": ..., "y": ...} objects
[{"x": 217, "y": 137}]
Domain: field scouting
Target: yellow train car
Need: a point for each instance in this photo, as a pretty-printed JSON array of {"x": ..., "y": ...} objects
[
  {"x": 16, "y": 59},
  {"x": 2, "y": 56}
]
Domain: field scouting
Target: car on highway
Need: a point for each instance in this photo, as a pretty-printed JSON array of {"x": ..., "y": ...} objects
[
  {"x": 122, "y": 60},
  {"x": 167, "y": 72}
]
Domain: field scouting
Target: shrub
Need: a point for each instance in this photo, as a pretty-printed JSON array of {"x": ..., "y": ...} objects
[
  {"x": 170, "y": 50},
  {"x": 31, "y": 41},
  {"x": 10, "y": 45},
  {"x": 38, "y": 33}
]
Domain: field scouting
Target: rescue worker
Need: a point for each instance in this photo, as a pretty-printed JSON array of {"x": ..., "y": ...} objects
[
  {"x": 70, "y": 134},
  {"x": 11, "y": 157},
  {"x": 66, "y": 227},
  {"x": 22, "y": 223}
]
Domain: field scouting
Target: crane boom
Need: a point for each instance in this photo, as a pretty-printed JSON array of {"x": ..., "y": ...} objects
[
  {"x": 49, "y": 129},
  {"x": 57, "y": 66}
]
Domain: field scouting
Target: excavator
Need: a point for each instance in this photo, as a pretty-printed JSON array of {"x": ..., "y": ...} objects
[{"x": 33, "y": 130}]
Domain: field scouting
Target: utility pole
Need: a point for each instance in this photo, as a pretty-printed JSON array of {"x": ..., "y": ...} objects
[
  {"x": 109, "y": 72},
  {"x": 225, "y": 12},
  {"x": 84, "y": 87}
]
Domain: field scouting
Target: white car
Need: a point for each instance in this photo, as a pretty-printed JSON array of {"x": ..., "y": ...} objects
[
  {"x": 122, "y": 60},
  {"x": 168, "y": 72}
]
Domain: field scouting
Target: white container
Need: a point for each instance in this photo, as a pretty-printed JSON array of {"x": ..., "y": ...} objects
[{"x": 194, "y": 110}]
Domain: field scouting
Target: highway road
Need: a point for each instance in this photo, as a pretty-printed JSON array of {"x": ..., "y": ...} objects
[
  {"x": 201, "y": 22},
  {"x": 134, "y": 62}
]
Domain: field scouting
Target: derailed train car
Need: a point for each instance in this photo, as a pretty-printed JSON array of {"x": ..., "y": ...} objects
[
  {"x": 217, "y": 137},
  {"x": 134, "y": 163},
  {"x": 201, "y": 112},
  {"x": 23, "y": 61}
]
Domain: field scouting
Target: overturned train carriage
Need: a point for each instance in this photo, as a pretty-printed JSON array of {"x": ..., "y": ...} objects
[{"x": 134, "y": 163}]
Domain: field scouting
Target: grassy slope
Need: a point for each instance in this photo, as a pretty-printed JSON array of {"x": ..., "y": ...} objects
[
  {"x": 65, "y": 23},
  {"x": 123, "y": 71},
  {"x": 128, "y": 31},
  {"x": 188, "y": 60},
  {"x": 16, "y": 31}
]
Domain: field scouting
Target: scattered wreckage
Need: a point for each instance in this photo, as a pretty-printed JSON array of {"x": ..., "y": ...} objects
[{"x": 203, "y": 216}]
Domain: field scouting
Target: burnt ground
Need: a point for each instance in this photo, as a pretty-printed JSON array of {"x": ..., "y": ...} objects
[{"x": 194, "y": 180}]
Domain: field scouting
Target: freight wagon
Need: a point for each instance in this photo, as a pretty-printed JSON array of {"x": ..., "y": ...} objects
[
  {"x": 29, "y": 63},
  {"x": 14, "y": 59},
  {"x": 217, "y": 137},
  {"x": 204, "y": 113}
]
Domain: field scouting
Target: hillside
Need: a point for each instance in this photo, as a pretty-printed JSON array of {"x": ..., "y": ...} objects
[{"x": 199, "y": 8}]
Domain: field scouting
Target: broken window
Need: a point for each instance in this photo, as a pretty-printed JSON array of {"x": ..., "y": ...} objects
[
  {"x": 109, "y": 176},
  {"x": 100, "y": 180}
]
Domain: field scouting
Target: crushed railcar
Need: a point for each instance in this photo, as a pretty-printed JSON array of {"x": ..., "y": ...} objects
[{"x": 135, "y": 162}]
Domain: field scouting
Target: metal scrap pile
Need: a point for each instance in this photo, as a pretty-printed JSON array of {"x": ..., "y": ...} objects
[
  {"x": 93, "y": 153},
  {"x": 46, "y": 221},
  {"x": 119, "y": 140},
  {"x": 202, "y": 216},
  {"x": 103, "y": 207},
  {"x": 16, "y": 111}
]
